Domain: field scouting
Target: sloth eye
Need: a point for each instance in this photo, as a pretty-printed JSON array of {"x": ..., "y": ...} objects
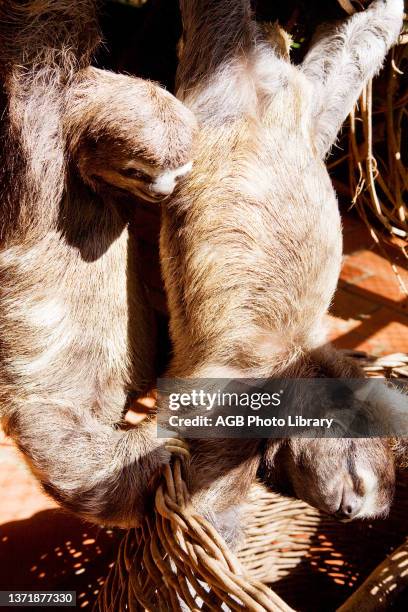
[{"x": 136, "y": 174}]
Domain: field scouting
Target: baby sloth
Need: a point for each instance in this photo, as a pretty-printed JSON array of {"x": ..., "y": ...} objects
[
  {"x": 77, "y": 144},
  {"x": 128, "y": 133},
  {"x": 251, "y": 241}
]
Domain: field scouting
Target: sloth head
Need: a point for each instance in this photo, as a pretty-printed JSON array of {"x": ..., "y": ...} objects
[
  {"x": 349, "y": 478},
  {"x": 134, "y": 136},
  {"x": 120, "y": 165}
]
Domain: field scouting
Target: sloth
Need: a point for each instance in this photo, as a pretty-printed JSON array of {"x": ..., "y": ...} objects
[
  {"x": 76, "y": 335},
  {"x": 146, "y": 153},
  {"x": 251, "y": 244},
  {"x": 246, "y": 292}
]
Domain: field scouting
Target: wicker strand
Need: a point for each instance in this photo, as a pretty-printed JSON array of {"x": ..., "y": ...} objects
[{"x": 388, "y": 580}]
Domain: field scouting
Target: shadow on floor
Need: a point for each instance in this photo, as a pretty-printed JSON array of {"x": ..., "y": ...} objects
[{"x": 56, "y": 550}]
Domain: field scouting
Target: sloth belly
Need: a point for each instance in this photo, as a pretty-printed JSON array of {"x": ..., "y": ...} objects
[
  {"x": 303, "y": 239},
  {"x": 305, "y": 272}
]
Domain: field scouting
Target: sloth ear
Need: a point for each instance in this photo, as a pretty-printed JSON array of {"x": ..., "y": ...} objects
[{"x": 341, "y": 61}]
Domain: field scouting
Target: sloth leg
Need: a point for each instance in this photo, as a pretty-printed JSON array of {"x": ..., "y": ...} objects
[
  {"x": 214, "y": 33},
  {"x": 342, "y": 60}
]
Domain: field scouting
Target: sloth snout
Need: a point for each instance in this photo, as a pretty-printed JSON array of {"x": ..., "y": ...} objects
[
  {"x": 165, "y": 183},
  {"x": 163, "y": 187},
  {"x": 350, "y": 504}
]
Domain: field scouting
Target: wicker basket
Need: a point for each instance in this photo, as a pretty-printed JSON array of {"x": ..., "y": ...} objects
[{"x": 293, "y": 556}]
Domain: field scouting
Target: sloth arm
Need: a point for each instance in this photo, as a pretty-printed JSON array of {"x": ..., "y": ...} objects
[{"x": 343, "y": 58}]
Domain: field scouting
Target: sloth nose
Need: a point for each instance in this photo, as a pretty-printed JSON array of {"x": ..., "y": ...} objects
[
  {"x": 350, "y": 505},
  {"x": 165, "y": 183},
  {"x": 163, "y": 189}
]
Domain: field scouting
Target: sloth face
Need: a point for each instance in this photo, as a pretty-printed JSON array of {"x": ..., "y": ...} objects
[
  {"x": 349, "y": 478},
  {"x": 145, "y": 180},
  {"x": 142, "y": 141},
  {"x": 107, "y": 163}
]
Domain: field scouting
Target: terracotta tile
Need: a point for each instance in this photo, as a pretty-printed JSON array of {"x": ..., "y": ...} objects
[
  {"x": 38, "y": 552},
  {"x": 394, "y": 254},
  {"x": 339, "y": 328},
  {"x": 370, "y": 275},
  {"x": 382, "y": 333},
  {"x": 350, "y": 306},
  {"x": 352, "y": 272},
  {"x": 38, "y": 541},
  {"x": 387, "y": 292},
  {"x": 356, "y": 238},
  {"x": 374, "y": 289},
  {"x": 380, "y": 265},
  {"x": 368, "y": 266},
  {"x": 387, "y": 332},
  {"x": 21, "y": 493},
  {"x": 346, "y": 314}
]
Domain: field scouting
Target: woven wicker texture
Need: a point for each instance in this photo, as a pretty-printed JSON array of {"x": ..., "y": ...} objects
[{"x": 293, "y": 556}]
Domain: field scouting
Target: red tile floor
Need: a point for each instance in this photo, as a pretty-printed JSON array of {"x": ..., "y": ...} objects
[
  {"x": 43, "y": 547},
  {"x": 370, "y": 309}
]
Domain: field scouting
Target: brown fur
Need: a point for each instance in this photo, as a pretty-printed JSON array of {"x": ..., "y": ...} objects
[
  {"x": 251, "y": 242},
  {"x": 76, "y": 336}
]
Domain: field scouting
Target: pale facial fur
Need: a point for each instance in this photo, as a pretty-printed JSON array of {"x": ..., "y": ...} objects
[
  {"x": 258, "y": 249},
  {"x": 351, "y": 479}
]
